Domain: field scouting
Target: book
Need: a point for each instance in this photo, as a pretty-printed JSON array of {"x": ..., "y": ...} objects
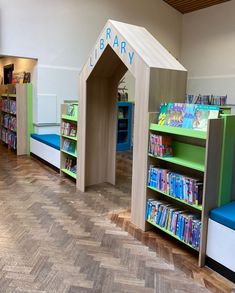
[
  {"x": 193, "y": 116},
  {"x": 202, "y": 114}
]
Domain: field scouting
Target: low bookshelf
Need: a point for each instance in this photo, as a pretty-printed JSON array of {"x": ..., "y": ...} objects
[
  {"x": 16, "y": 116},
  {"x": 68, "y": 140},
  {"x": 196, "y": 160}
]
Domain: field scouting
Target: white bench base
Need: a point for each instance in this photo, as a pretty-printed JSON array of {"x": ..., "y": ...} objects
[
  {"x": 221, "y": 244},
  {"x": 45, "y": 152}
]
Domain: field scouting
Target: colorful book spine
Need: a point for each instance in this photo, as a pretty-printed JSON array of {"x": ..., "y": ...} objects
[
  {"x": 185, "y": 225},
  {"x": 160, "y": 145},
  {"x": 176, "y": 185}
]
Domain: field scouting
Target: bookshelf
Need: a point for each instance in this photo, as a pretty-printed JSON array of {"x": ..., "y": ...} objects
[
  {"x": 196, "y": 154},
  {"x": 124, "y": 126},
  {"x": 68, "y": 140},
  {"x": 16, "y": 117}
]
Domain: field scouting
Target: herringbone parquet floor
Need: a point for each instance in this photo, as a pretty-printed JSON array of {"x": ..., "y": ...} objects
[{"x": 55, "y": 239}]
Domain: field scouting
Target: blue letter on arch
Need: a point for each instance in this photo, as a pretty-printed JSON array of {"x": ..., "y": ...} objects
[{"x": 115, "y": 42}]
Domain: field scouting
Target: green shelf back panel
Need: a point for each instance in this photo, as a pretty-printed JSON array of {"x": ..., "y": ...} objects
[
  {"x": 179, "y": 131},
  {"x": 187, "y": 155},
  {"x": 30, "y": 127},
  {"x": 227, "y": 161},
  {"x": 197, "y": 207},
  {"x": 169, "y": 233},
  {"x": 71, "y": 174}
]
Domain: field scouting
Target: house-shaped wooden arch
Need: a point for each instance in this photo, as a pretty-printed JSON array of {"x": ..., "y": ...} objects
[{"x": 159, "y": 77}]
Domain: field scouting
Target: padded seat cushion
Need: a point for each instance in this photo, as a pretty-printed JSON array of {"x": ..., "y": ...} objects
[
  {"x": 225, "y": 215},
  {"x": 52, "y": 140}
]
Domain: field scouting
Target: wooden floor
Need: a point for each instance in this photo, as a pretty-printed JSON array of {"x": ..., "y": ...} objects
[{"x": 55, "y": 239}]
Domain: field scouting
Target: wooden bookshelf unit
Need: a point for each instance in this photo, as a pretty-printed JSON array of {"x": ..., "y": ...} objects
[
  {"x": 16, "y": 116},
  {"x": 68, "y": 140},
  {"x": 197, "y": 154}
]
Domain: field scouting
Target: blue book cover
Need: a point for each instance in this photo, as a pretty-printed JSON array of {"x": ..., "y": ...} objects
[{"x": 189, "y": 116}]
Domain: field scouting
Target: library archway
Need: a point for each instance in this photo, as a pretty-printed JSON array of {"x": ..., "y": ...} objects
[{"x": 159, "y": 77}]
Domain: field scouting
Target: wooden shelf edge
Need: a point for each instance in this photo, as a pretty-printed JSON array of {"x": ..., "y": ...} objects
[
  {"x": 180, "y": 162},
  {"x": 197, "y": 207},
  {"x": 179, "y": 131}
]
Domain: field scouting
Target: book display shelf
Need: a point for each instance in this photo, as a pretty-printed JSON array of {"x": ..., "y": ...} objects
[
  {"x": 198, "y": 158},
  {"x": 68, "y": 141},
  {"x": 124, "y": 126},
  {"x": 16, "y": 116}
]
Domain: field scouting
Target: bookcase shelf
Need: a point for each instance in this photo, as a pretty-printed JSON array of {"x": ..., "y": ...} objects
[
  {"x": 67, "y": 141},
  {"x": 197, "y": 207},
  {"x": 69, "y": 153},
  {"x": 70, "y": 137},
  {"x": 182, "y": 162},
  {"x": 71, "y": 174},
  {"x": 69, "y": 118},
  {"x": 197, "y": 154},
  {"x": 178, "y": 131},
  {"x": 169, "y": 233},
  {"x": 16, "y": 109}
]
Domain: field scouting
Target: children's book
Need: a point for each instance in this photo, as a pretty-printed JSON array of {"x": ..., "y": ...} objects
[
  {"x": 189, "y": 116},
  {"x": 202, "y": 114},
  {"x": 175, "y": 114},
  {"x": 162, "y": 114}
]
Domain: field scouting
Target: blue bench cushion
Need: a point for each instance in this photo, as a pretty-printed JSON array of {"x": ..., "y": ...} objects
[
  {"x": 52, "y": 140},
  {"x": 225, "y": 215}
]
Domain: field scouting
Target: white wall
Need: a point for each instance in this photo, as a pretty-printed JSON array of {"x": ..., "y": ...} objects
[
  {"x": 208, "y": 50},
  {"x": 60, "y": 34}
]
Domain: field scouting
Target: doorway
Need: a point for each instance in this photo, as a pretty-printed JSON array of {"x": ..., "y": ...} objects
[
  {"x": 125, "y": 130},
  {"x": 8, "y": 73},
  {"x": 101, "y": 119}
]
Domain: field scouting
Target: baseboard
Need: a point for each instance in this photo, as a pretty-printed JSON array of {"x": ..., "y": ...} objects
[{"x": 219, "y": 268}]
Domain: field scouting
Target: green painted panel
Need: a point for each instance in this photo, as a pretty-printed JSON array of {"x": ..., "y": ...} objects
[
  {"x": 30, "y": 127},
  {"x": 179, "y": 131},
  {"x": 186, "y": 155},
  {"x": 227, "y": 160}
]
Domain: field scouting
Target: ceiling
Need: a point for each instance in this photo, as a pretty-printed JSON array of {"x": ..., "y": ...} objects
[{"x": 186, "y": 6}]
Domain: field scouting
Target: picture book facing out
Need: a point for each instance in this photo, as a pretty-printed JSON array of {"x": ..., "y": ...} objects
[{"x": 193, "y": 116}]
